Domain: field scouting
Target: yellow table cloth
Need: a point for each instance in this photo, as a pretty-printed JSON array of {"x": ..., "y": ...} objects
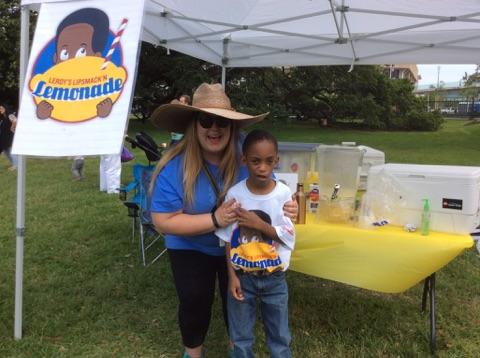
[{"x": 385, "y": 259}]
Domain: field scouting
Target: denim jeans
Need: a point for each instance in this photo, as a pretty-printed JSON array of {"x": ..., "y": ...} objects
[
  {"x": 11, "y": 157},
  {"x": 272, "y": 292}
]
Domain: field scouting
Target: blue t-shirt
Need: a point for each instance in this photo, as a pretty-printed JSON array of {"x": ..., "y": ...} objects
[{"x": 168, "y": 197}]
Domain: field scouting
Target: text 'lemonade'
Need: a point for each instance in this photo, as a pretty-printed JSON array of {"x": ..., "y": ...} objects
[{"x": 76, "y": 86}]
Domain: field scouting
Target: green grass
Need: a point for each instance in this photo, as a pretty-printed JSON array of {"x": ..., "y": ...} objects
[{"x": 86, "y": 293}]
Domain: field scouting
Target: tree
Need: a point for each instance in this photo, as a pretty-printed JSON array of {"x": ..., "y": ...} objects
[
  {"x": 162, "y": 77},
  {"x": 331, "y": 92},
  {"x": 255, "y": 90},
  {"x": 9, "y": 51},
  {"x": 471, "y": 89}
]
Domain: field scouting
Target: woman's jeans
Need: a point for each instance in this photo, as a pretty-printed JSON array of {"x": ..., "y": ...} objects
[{"x": 272, "y": 292}]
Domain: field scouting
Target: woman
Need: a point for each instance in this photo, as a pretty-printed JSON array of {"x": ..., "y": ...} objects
[
  {"x": 7, "y": 128},
  {"x": 190, "y": 179}
]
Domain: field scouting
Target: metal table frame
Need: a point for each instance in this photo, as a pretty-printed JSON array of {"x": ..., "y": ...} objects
[{"x": 429, "y": 290}]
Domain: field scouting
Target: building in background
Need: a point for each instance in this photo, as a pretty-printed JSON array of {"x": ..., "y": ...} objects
[
  {"x": 452, "y": 98},
  {"x": 402, "y": 71}
]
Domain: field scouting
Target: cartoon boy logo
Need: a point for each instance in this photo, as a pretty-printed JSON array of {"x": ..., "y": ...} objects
[
  {"x": 83, "y": 34},
  {"x": 252, "y": 249}
]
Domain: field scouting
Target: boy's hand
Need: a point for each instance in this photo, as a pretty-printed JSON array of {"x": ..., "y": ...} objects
[
  {"x": 235, "y": 288},
  {"x": 249, "y": 219}
]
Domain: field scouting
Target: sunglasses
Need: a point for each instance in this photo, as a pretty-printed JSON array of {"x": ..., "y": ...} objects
[{"x": 207, "y": 121}]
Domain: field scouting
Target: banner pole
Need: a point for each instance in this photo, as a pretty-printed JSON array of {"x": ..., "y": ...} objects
[{"x": 21, "y": 174}]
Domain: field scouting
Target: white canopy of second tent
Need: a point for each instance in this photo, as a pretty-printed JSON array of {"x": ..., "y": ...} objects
[{"x": 255, "y": 33}]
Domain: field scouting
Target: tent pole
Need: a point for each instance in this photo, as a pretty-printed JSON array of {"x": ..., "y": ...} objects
[
  {"x": 21, "y": 174},
  {"x": 224, "y": 76},
  {"x": 225, "y": 41}
]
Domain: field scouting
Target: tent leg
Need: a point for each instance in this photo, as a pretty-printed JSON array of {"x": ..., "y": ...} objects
[
  {"x": 224, "y": 76},
  {"x": 19, "y": 284},
  {"x": 21, "y": 175}
]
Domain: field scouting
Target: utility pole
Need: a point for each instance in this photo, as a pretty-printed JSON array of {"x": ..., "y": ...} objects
[
  {"x": 438, "y": 87},
  {"x": 438, "y": 77}
]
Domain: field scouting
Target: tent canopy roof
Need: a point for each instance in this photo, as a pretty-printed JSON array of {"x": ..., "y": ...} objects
[{"x": 250, "y": 33}]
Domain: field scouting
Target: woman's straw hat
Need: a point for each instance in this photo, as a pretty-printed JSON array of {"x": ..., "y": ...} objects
[{"x": 207, "y": 98}]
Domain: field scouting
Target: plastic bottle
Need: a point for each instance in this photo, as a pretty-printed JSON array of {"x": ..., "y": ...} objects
[
  {"x": 313, "y": 198},
  {"x": 311, "y": 188},
  {"x": 301, "y": 201},
  {"x": 312, "y": 178},
  {"x": 426, "y": 217}
]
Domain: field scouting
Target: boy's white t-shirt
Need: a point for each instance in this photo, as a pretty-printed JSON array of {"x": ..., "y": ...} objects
[{"x": 250, "y": 250}]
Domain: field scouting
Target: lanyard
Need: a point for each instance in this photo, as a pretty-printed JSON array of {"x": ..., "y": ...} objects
[{"x": 211, "y": 180}]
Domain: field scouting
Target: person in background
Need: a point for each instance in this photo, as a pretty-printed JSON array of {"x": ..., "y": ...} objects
[
  {"x": 189, "y": 181},
  {"x": 7, "y": 128},
  {"x": 110, "y": 173},
  {"x": 77, "y": 167},
  {"x": 174, "y": 136},
  {"x": 259, "y": 245}
]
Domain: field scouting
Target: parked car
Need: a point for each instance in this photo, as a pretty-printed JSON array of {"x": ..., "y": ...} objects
[{"x": 448, "y": 110}]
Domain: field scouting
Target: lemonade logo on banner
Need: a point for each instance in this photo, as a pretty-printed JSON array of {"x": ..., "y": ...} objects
[
  {"x": 79, "y": 75},
  {"x": 76, "y": 97}
]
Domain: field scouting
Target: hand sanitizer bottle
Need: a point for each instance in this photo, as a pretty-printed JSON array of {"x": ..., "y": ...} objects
[{"x": 426, "y": 217}]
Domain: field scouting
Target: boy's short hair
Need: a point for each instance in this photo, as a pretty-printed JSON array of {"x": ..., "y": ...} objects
[
  {"x": 95, "y": 18},
  {"x": 258, "y": 135}
]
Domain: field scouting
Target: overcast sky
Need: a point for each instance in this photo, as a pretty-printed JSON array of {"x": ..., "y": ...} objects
[{"x": 448, "y": 73}]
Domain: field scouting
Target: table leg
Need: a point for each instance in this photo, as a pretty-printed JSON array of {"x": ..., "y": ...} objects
[
  {"x": 425, "y": 293},
  {"x": 429, "y": 290},
  {"x": 432, "y": 314}
]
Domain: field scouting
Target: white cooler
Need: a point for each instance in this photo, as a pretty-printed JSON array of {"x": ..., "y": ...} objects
[{"x": 395, "y": 193}]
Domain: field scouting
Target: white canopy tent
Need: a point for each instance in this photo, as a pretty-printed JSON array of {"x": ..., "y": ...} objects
[{"x": 255, "y": 33}]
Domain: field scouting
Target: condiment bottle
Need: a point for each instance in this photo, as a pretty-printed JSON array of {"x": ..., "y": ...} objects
[{"x": 301, "y": 201}]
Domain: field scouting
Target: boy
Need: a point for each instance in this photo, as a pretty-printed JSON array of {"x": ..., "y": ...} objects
[{"x": 258, "y": 250}]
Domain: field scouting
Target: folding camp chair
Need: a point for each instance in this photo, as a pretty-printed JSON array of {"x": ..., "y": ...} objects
[{"x": 138, "y": 203}]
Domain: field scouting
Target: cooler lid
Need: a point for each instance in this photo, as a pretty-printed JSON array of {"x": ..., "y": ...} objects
[
  {"x": 371, "y": 152},
  {"x": 430, "y": 171},
  {"x": 297, "y": 147},
  {"x": 339, "y": 148}
]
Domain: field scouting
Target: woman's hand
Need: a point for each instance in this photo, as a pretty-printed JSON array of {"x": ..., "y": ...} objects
[
  {"x": 290, "y": 209},
  {"x": 226, "y": 213}
]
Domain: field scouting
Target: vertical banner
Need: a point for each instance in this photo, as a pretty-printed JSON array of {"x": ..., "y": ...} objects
[{"x": 80, "y": 78}]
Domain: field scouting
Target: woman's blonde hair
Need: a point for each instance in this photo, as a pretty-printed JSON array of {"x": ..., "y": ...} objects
[{"x": 189, "y": 146}]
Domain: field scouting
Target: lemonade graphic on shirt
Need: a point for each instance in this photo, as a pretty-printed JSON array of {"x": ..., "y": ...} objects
[{"x": 252, "y": 251}]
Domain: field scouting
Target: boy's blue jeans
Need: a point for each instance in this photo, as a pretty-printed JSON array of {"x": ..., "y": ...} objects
[{"x": 272, "y": 292}]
